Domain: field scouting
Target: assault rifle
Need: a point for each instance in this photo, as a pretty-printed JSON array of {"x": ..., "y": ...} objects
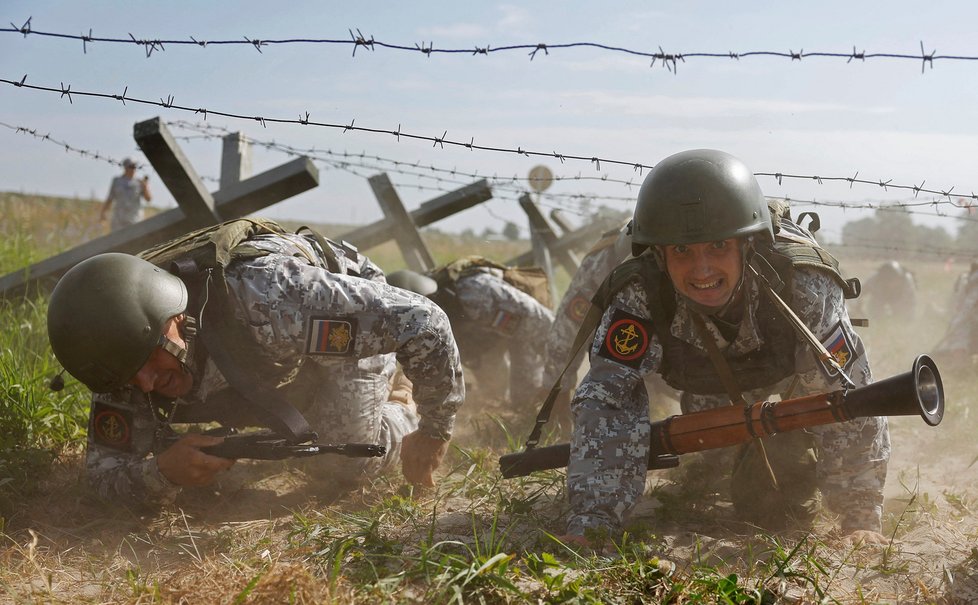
[
  {"x": 268, "y": 445},
  {"x": 919, "y": 391}
]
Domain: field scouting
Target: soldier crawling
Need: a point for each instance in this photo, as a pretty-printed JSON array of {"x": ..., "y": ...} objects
[
  {"x": 255, "y": 326},
  {"x": 495, "y": 319},
  {"x": 691, "y": 307}
]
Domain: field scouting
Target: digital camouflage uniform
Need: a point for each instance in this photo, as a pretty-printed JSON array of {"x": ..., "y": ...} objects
[
  {"x": 890, "y": 291},
  {"x": 961, "y": 337},
  {"x": 608, "y": 253},
  {"x": 610, "y": 444},
  {"x": 495, "y": 314},
  {"x": 342, "y": 332}
]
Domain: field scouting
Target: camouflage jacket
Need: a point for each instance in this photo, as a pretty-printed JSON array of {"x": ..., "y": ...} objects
[
  {"x": 607, "y": 254},
  {"x": 609, "y": 448},
  {"x": 343, "y": 332}
]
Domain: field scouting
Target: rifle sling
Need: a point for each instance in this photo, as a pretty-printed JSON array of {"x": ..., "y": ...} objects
[
  {"x": 719, "y": 363},
  {"x": 591, "y": 321},
  {"x": 730, "y": 383},
  {"x": 281, "y": 416}
]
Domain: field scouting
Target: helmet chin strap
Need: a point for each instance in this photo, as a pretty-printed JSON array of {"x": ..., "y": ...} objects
[
  {"x": 188, "y": 330},
  {"x": 184, "y": 354}
]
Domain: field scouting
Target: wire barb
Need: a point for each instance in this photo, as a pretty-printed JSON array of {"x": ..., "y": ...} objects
[
  {"x": 25, "y": 28},
  {"x": 925, "y": 58},
  {"x": 257, "y": 43},
  {"x": 85, "y": 40}
]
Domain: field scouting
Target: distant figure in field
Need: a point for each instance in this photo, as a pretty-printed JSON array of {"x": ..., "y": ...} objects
[
  {"x": 961, "y": 338},
  {"x": 124, "y": 197},
  {"x": 891, "y": 291}
]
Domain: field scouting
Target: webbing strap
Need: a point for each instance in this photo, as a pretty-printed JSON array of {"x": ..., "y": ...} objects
[
  {"x": 736, "y": 396},
  {"x": 591, "y": 321},
  {"x": 719, "y": 363},
  {"x": 280, "y": 415},
  {"x": 329, "y": 255}
]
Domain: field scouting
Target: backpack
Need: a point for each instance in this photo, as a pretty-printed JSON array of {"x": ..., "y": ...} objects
[
  {"x": 529, "y": 280},
  {"x": 200, "y": 258},
  {"x": 216, "y": 246}
]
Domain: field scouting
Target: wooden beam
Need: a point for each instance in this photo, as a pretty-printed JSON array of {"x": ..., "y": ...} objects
[
  {"x": 176, "y": 172},
  {"x": 583, "y": 237},
  {"x": 557, "y": 216},
  {"x": 235, "y": 159},
  {"x": 541, "y": 228},
  {"x": 405, "y": 232},
  {"x": 245, "y": 197},
  {"x": 434, "y": 210}
]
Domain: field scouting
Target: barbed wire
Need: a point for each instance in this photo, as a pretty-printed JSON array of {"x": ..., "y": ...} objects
[
  {"x": 902, "y": 207},
  {"x": 169, "y": 103},
  {"x": 668, "y": 60},
  {"x": 582, "y": 202},
  {"x": 937, "y": 251},
  {"x": 209, "y": 131},
  {"x": 69, "y": 148}
]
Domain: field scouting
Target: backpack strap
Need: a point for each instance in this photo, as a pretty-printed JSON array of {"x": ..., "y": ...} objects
[
  {"x": 599, "y": 302},
  {"x": 590, "y": 323}
]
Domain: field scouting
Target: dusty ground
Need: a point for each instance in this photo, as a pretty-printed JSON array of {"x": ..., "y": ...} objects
[{"x": 64, "y": 546}]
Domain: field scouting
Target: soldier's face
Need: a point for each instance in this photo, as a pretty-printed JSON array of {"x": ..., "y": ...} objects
[
  {"x": 706, "y": 273},
  {"x": 163, "y": 373}
]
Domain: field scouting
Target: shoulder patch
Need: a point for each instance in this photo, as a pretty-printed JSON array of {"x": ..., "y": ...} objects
[
  {"x": 839, "y": 344},
  {"x": 112, "y": 426},
  {"x": 627, "y": 339},
  {"x": 577, "y": 308},
  {"x": 504, "y": 322},
  {"x": 328, "y": 336}
]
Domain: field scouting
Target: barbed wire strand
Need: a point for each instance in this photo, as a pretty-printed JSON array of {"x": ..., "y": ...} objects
[
  {"x": 169, "y": 103},
  {"x": 215, "y": 132},
  {"x": 583, "y": 202},
  {"x": 668, "y": 60}
]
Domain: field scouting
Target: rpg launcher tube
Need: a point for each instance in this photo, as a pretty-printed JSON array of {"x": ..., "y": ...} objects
[{"x": 919, "y": 391}]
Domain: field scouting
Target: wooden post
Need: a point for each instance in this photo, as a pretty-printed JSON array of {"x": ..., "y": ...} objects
[
  {"x": 235, "y": 159},
  {"x": 434, "y": 210},
  {"x": 561, "y": 221},
  {"x": 162, "y": 151},
  {"x": 238, "y": 200},
  {"x": 405, "y": 232},
  {"x": 540, "y": 227},
  {"x": 581, "y": 238}
]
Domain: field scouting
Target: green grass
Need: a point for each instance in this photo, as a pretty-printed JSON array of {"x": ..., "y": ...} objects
[{"x": 475, "y": 539}]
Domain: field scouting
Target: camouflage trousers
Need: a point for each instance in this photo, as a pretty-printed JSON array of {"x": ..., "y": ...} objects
[{"x": 369, "y": 411}]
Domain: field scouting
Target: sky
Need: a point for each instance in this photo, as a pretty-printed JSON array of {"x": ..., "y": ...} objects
[{"x": 892, "y": 120}]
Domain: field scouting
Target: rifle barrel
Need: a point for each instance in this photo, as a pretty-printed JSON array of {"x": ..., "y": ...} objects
[{"x": 919, "y": 391}]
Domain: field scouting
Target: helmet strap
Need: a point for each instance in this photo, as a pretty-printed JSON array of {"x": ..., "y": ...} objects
[{"x": 184, "y": 354}]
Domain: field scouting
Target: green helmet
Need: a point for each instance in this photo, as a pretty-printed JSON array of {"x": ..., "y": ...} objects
[
  {"x": 107, "y": 314},
  {"x": 415, "y": 282},
  {"x": 701, "y": 195}
]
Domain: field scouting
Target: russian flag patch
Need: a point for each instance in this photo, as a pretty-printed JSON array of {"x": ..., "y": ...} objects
[
  {"x": 329, "y": 336},
  {"x": 504, "y": 322},
  {"x": 839, "y": 345}
]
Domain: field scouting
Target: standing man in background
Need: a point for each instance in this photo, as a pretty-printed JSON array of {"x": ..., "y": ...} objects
[{"x": 125, "y": 191}]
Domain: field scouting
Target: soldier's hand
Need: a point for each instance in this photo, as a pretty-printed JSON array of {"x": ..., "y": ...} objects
[
  {"x": 420, "y": 456},
  {"x": 184, "y": 464},
  {"x": 865, "y": 537}
]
